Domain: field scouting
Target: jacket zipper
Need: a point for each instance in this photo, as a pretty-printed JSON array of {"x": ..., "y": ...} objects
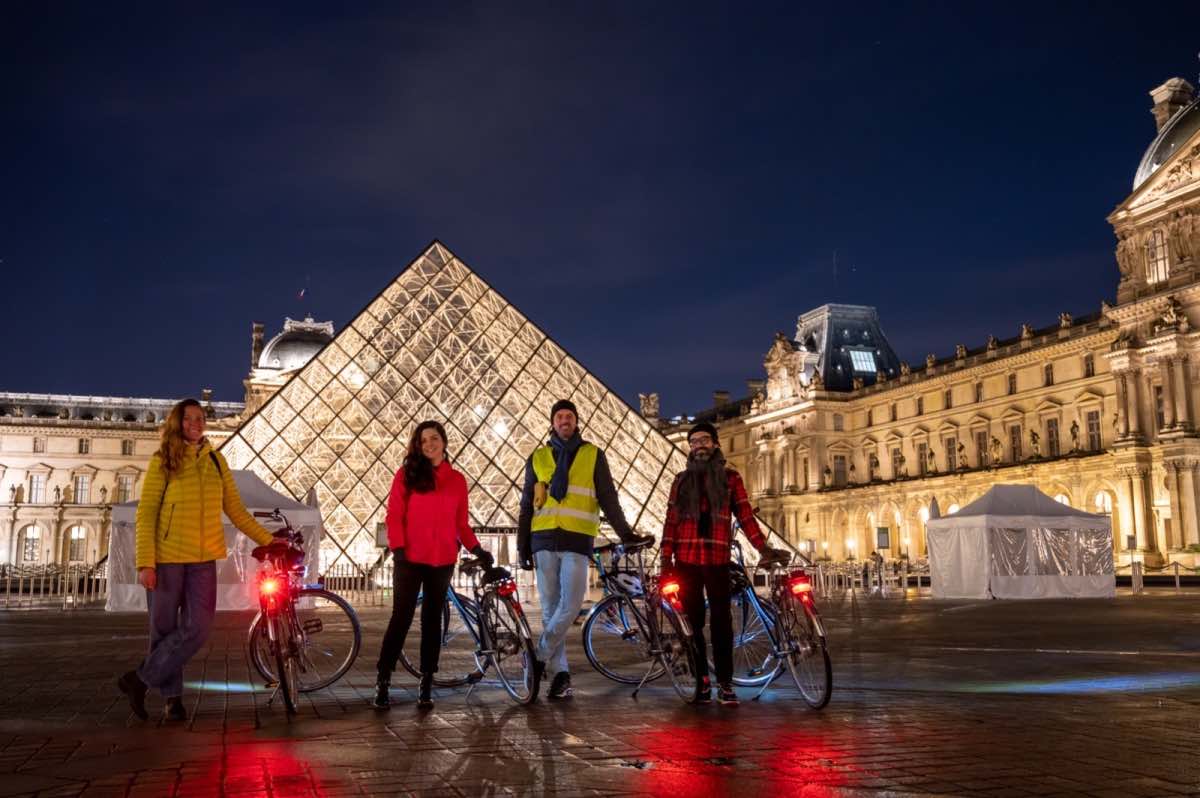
[{"x": 170, "y": 520}]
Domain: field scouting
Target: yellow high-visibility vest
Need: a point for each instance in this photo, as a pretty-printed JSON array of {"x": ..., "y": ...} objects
[{"x": 578, "y": 511}]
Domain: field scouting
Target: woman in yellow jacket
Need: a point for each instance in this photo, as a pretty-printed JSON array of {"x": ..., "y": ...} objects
[{"x": 179, "y": 539}]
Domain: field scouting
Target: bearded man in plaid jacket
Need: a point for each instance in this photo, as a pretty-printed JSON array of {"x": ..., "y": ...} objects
[{"x": 696, "y": 545}]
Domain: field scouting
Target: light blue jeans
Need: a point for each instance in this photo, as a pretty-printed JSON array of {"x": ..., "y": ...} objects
[
  {"x": 562, "y": 583},
  {"x": 182, "y": 606}
]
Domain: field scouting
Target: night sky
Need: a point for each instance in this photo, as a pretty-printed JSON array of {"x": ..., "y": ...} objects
[{"x": 660, "y": 190}]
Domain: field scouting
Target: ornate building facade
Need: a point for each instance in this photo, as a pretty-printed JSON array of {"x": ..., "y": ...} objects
[
  {"x": 65, "y": 460},
  {"x": 842, "y": 442}
]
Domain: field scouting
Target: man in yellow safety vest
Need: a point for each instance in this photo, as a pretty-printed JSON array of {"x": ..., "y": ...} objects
[{"x": 567, "y": 484}]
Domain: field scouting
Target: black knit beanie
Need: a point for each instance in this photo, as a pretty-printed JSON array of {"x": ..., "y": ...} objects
[
  {"x": 704, "y": 426},
  {"x": 563, "y": 404}
]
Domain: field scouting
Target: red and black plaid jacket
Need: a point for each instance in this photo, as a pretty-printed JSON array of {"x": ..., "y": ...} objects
[{"x": 681, "y": 537}]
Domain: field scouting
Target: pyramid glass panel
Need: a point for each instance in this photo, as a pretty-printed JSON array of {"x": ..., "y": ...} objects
[{"x": 439, "y": 343}]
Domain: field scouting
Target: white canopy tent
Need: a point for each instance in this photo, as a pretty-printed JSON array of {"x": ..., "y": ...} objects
[
  {"x": 1017, "y": 542},
  {"x": 235, "y": 574}
]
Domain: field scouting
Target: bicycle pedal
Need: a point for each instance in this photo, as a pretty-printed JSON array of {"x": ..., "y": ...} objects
[{"x": 475, "y": 677}]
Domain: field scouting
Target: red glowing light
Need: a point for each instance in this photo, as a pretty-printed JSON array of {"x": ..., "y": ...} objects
[
  {"x": 800, "y": 585},
  {"x": 670, "y": 588},
  {"x": 506, "y": 589},
  {"x": 269, "y": 586}
]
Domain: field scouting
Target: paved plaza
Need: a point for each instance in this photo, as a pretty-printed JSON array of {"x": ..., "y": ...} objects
[{"x": 1096, "y": 697}]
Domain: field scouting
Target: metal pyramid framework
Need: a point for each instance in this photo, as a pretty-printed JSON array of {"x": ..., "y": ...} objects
[{"x": 439, "y": 343}]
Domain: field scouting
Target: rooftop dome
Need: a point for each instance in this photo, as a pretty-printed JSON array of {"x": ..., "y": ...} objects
[
  {"x": 1174, "y": 133},
  {"x": 296, "y": 345}
]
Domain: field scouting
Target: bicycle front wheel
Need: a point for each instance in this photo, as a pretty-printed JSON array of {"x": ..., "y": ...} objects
[
  {"x": 285, "y": 663},
  {"x": 678, "y": 654},
  {"x": 616, "y": 643},
  {"x": 807, "y": 658},
  {"x": 329, "y": 640},
  {"x": 754, "y": 659},
  {"x": 459, "y": 658},
  {"x": 509, "y": 645}
]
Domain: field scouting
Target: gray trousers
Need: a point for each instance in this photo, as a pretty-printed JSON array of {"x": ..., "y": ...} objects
[{"x": 182, "y": 606}]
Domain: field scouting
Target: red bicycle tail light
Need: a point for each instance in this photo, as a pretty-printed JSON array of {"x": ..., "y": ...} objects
[
  {"x": 506, "y": 589},
  {"x": 269, "y": 586},
  {"x": 799, "y": 585},
  {"x": 670, "y": 588}
]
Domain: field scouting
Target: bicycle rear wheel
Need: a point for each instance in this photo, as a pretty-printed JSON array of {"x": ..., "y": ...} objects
[
  {"x": 330, "y": 639},
  {"x": 754, "y": 659},
  {"x": 510, "y": 646},
  {"x": 808, "y": 660},
  {"x": 285, "y": 663},
  {"x": 678, "y": 654},
  {"x": 459, "y": 658},
  {"x": 616, "y": 643}
]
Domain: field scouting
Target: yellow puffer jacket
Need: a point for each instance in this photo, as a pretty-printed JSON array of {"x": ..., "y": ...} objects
[{"x": 179, "y": 520}]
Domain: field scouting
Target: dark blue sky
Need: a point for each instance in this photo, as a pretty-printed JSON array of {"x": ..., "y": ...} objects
[{"x": 658, "y": 189}]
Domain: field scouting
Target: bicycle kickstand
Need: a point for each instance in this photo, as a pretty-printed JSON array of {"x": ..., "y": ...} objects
[{"x": 650, "y": 670}]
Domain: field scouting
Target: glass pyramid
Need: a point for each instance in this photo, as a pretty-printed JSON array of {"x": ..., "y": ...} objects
[{"x": 439, "y": 343}]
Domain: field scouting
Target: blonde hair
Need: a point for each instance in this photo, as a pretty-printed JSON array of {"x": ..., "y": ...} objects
[{"x": 173, "y": 446}]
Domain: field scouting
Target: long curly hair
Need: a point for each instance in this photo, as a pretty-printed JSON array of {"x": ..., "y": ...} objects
[
  {"x": 418, "y": 469},
  {"x": 173, "y": 446}
]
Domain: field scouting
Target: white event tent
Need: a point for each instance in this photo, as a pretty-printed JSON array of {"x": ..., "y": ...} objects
[
  {"x": 1017, "y": 542},
  {"x": 235, "y": 574}
]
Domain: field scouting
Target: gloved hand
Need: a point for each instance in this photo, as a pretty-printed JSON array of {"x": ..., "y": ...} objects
[
  {"x": 485, "y": 557},
  {"x": 525, "y": 560},
  {"x": 631, "y": 537},
  {"x": 772, "y": 555},
  {"x": 539, "y": 495},
  {"x": 398, "y": 554}
]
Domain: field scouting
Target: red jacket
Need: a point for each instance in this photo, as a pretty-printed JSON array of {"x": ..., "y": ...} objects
[{"x": 429, "y": 526}]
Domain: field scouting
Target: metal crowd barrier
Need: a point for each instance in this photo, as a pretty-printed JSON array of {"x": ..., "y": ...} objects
[{"x": 54, "y": 586}]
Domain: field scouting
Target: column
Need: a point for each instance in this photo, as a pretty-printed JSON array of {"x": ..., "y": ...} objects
[
  {"x": 1175, "y": 493},
  {"x": 1122, "y": 405},
  {"x": 789, "y": 468},
  {"x": 1168, "y": 389},
  {"x": 1183, "y": 415},
  {"x": 1189, "y": 525},
  {"x": 1142, "y": 519},
  {"x": 1133, "y": 413},
  {"x": 772, "y": 471}
]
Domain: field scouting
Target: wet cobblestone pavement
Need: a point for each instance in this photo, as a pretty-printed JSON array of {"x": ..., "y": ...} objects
[{"x": 1096, "y": 697}]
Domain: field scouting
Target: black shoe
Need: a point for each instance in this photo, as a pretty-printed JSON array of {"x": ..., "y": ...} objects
[
  {"x": 382, "y": 699},
  {"x": 704, "y": 694},
  {"x": 560, "y": 687},
  {"x": 175, "y": 710},
  {"x": 726, "y": 695},
  {"x": 425, "y": 696},
  {"x": 133, "y": 687}
]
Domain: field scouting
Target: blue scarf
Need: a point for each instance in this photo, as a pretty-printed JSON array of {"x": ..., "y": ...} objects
[{"x": 564, "y": 455}]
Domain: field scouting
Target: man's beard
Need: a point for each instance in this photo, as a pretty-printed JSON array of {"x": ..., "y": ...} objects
[{"x": 705, "y": 472}]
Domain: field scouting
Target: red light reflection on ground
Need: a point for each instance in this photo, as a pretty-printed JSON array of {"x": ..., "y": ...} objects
[
  {"x": 257, "y": 769},
  {"x": 714, "y": 759}
]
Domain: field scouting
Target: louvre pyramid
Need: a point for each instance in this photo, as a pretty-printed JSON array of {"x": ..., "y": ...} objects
[{"x": 439, "y": 343}]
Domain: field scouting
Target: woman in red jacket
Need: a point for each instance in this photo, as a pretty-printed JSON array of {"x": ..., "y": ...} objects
[{"x": 426, "y": 522}]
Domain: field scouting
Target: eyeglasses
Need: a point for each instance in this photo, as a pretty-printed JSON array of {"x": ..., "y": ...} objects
[{"x": 700, "y": 440}]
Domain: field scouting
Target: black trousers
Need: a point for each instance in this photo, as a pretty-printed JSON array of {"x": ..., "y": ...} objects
[
  {"x": 695, "y": 581},
  {"x": 410, "y": 579}
]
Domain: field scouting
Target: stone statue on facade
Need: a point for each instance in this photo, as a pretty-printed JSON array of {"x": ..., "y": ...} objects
[
  {"x": 1064, "y": 320},
  {"x": 931, "y": 462},
  {"x": 881, "y": 376},
  {"x": 649, "y": 405},
  {"x": 1035, "y": 443},
  {"x": 1184, "y": 237},
  {"x": 997, "y": 450},
  {"x": 57, "y": 494},
  {"x": 68, "y": 495},
  {"x": 856, "y": 383},
  {"x": 961, "y": 456},
  {"x": 1026, "y": 332},
  {"x": 1172, "y": 317},
  {"x": 930, "y": 360},
  {"x": 817, "y": 381},
  {"x": 1075, "y": 436},
  {"x": 903, "y": 468},
  {"x": 1124, "y": 340},
  {"x": 960, "y": 351},
  {"x": 992, "y": 343},
  {"x": 782, "y": 370},
  {"x": 104, "y": 494},
  {"x": 872, "y": 466},
  {"x": 1126, "y": 254},
  {"x": 12, "y": 494},
  {"x": 905, "y": 369}
]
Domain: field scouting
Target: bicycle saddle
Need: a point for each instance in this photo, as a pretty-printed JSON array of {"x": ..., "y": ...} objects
[{"x": 277, "y": 548}]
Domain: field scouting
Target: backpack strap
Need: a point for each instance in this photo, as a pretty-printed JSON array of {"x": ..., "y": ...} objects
[{"x": 217, "y": 463}]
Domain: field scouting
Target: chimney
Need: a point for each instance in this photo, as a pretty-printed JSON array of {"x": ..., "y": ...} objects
[
  {"x": 720, "y": 398},
  {"x": 754, "y": 386},
  {"x": 256, "y": 343},
  {"x": 1169, "y": 98}
]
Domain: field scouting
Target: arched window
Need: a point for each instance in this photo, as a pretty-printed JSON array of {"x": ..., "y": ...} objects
[
  {"x": 78, "y": 548},
  {"x": 1104, "y": 502},
  {"x": 1156, "y": 257},
  {"x": 31, "y": 543},
  {"x": 952, "y": 509},
  {"x": 1062, "y": 498}
]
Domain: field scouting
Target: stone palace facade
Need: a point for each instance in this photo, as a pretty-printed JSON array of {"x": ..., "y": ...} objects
[{"x": 845, "y": 448}]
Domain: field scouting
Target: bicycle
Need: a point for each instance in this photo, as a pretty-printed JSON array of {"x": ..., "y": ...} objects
[
  {"x": 640, "y": 626},
  {"x": 470, "y": 647},
  {"x": 304, "y": 638},
  {"x": 797, "y": 635}
]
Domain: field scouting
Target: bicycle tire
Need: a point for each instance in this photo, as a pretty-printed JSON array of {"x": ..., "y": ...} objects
[
  {"x": 459, "y": 658},
  {"x": 754, "y": 658},
  {"x": 338, "y": 650},
  {"x": 510, "y": 647},
  {"x": 808, "y": 660},
  {"x": 615, "y": 647},
  {"x": 679, "y": 656},
  {"x": 287, "y": 685}
]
